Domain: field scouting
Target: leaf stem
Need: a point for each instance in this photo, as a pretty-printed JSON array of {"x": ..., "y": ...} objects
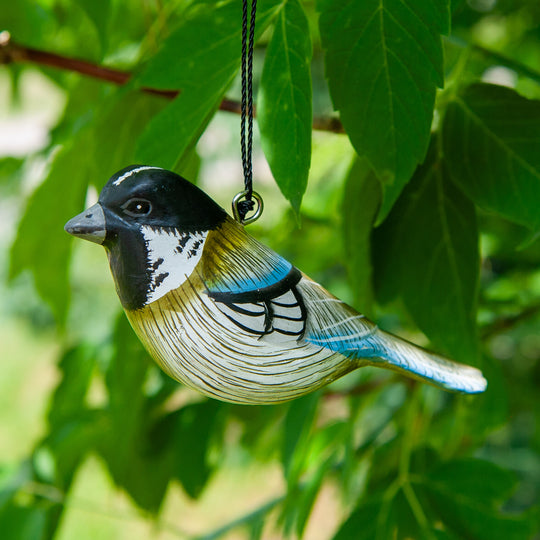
[
  {"x": 501, "y": 59},
  {"x": 417, "y": 510},
  {"x": 408, "y": 437},
  {"x": 411, "y": 424}
]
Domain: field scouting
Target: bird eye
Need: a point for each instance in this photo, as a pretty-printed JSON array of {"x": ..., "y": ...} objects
[{"x": 137, "y": 207}]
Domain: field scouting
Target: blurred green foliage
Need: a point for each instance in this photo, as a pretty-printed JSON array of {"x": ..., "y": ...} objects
[{"x": 427, "y": 222}]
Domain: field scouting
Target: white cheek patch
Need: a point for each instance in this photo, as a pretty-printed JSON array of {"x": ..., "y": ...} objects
[{"x": 172, "y": 257}]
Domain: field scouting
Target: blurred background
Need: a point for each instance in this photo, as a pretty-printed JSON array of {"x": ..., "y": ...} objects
[{"x": 226, "y": 463}]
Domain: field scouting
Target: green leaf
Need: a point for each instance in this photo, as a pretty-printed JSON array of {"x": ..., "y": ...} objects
[
  {"x": 444, "y": 535},
  {"x": 76, "y": 366},
  {"x": 457, "y": 499},
  {"x": 361, "y": 199},
  {"x": 123, "y": 439},
  {"x": 99, "y": 12},
  {"x": 261, "y": 427},
  {"x": 362, "y": 524},
  {"x": 487, "y": 482},
  {"x": 68, "y": 444},
  {"x": 200, "y": 58},
  {"x": 18, "y": 522},
  {"x": 181, "y": 441},
  {"x": 304, "y": 503},
  {"x": 140, "y": 438},
  {"x": 384, "y": 60},
  {"x": 41, "y": 245},
  {"x": 468, "y": 494},
  {"x": 491, "y": 137},
  {"x": 491, "y": 411},
  {"x": 284, "y": 110},
  {"x": 314, "y": 456},
  {"x": 298, "y": 424},
  {"x": 427, "y": 253},
  {"x": 22, "y": 515},
  {"x": 406, "y": 523},
  {"x": 74, "y": 430},
  {"x": 195, "y": 431},
  {"x": 86, "y": 98},
  {"x": 125, "y": 377},
  {"x": 129, "y": 112},
  {"x": 29, "y": 22},
  {"x": 10, "y": 172}
]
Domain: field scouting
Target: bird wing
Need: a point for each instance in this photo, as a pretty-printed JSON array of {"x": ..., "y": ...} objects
[
  {"x": 262, "y": 293},
  {"x": 262, "y": 310},
  {"x": 254, "y": 287}
]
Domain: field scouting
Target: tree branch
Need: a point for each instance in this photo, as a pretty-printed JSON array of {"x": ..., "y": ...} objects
[{"x": 11, "y": 52}]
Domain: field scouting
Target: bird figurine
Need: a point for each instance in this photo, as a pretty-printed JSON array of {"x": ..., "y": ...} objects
[{"x": 226, "y": 315}]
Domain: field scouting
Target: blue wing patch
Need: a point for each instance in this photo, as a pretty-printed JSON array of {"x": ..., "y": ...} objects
[
  {"x": 236, "y": 282},
  {"x": 345, "y": 336}
]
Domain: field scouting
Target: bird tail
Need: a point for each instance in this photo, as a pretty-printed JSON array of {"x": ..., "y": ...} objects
[{"x": 404, "y": 357}]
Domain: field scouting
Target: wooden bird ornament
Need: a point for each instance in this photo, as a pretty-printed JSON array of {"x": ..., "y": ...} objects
[{"x": 223, "y": 313}]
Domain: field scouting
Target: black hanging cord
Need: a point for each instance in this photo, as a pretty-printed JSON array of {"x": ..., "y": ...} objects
[{"x": 246, "y": 142}]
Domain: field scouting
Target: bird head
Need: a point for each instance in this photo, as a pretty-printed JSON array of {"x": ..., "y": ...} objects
[
  {"x": 145, "y": 218},
  {"x": 145, "y": 196}
]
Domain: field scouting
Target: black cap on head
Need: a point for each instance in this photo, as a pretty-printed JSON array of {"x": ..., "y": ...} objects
[{"x": 156, "y": 197}]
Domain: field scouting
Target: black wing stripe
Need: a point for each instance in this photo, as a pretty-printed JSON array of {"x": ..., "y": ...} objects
[
  {"x": 289, "y": 332},
  {"x": 243, "y": 327},
  {"x": 243, "y": 311},
  {"x": 280, "y": 304},
  {"x": 286, "y": 318}
]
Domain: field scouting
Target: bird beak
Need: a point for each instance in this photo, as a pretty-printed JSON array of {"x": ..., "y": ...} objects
[{"x": 88, "y": 225}]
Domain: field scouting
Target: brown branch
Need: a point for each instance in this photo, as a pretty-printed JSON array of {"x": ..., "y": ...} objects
[{"x": 11, "y": 52}]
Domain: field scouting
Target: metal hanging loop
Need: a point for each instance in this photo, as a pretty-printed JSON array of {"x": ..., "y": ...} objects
[{"x": 238, "y": 199}]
